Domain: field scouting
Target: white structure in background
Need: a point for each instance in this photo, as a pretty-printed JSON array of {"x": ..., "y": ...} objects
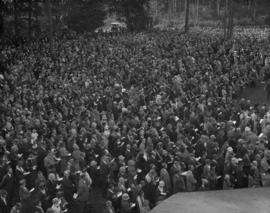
[{"x": 111, "y": 24}]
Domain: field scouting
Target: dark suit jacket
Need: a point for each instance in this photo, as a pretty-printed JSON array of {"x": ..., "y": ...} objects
[
  {"x": 8, "y": 183},
  {"x": 2, "y": 172},
  {"x": 68, "y": 189},
  {"x": 83, "y": 192}
]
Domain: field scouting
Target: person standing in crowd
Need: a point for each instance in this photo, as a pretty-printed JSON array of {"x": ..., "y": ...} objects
[
  {"x": 109, "y": 208},
  {"x": 125, "y": 204},
  {"x": 82, "y": 195},
  {"x": 50, "y": 161},
  {"x": 267, "y": 89},
  {"x": 68, "y": 188},
  {"x": 16, "y": 208},
  {"x": 3, "y": 202},
  {"x": 23, "y": 191},
  {"x": 7, "y": 184}
]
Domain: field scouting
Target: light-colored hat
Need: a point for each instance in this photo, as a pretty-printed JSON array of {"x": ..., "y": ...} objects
[
  {"x": 75, "y": 147},
  {"x": 227, "y": 177},
  {"x": 148, "y": 178},
  {"x": 22, "y": 181},
  {"x": 161, "y": 183},
  {"x": 121, "y": 158},
  {"x": 241, "y": 141},
  {"x": 125, "y": 196},
  {"x": 234, "y": 160},
  {"x": 230, "y": 149},
  {"x": 213, "y": 137},
  {"x": 93, "y": 163},
  {"x": 51, "y": 176},
  {"x": 55, "y": 200}
]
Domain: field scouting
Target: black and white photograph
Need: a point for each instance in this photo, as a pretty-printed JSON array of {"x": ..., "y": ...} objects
[{"x": 134, "y": 106}]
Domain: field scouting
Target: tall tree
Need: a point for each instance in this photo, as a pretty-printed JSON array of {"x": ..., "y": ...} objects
[
  {"x": 84, "y": 15},
  {"x": 15, "y": 13},
  {"x": 187, "y": 16},
  {"x": 136, "y": 12},
  {"x": 170, "y": 9},
  {"x": 231, "y": 17},
  {"x": 197, "y": 11},
  {"x": 49, "y": 17},
  {"x": 2, "y": 6},
  {"x": 29, "y": 19},
  {"x": 253, "y": 11},
  {"x": 37, "y": 12},
  {"x": 225, "y": 19},
  {"x": 218, "y": 7}
]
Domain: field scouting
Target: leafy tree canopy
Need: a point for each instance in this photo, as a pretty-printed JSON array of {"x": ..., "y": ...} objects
[
  {"x": 85, "y": 15},
  {"x": 135, "y": 12}
]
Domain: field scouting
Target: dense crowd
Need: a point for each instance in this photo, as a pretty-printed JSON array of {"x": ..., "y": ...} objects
[{"x": 138, "y": 116}]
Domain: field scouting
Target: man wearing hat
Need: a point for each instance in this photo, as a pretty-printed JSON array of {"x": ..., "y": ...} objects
[
  {"x": 16, "y": 208},
  {"x": 265, "y": 168},
  {"x": 68, "y": 187},
  {"x": 8, "y": 184},
  {"x": 125, "y": 204},
  {"x": 50, "y": 161},
  {"x": 23, "y": 191},
  {"x": 2, "y": 168},
  {"x": 83, "y": 195},
  {"x": 267, "y": 89},
  {"x": 3, "y": 202},
  {"x": 55, "y": 208},
  {"x": 109, "y": 208}
]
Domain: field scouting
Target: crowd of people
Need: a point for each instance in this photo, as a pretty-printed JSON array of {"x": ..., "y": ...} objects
[{"x": 139, "y": 116}]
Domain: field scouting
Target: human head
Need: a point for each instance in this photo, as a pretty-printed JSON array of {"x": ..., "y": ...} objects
[
  {"x": 125, "y": 197},
  {"x": 3, "y": 193},
  {"x": 161, "y": 184},
  {"x": 55, "y": 201},
  {"x": 108, "y": 203}
]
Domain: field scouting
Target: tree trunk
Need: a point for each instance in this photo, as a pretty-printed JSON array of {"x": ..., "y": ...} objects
[
  {"x": 1, "y": 24},
  {"x": 193, "y": 11},
  {"x": 1, "y": 21},
  {"x": 37, "y": 27},
  {"x": 225, "y": 19},
  {"x": 197, "y": 11},
  {"x": 179, "y": 7},
  {"x": 254, "y": 5},
  {"x": 29, "y": 19},
  {"x": 49, "y": 14},
  {"x": 218, "y": 7},
  {"x": 156, "y": 9},
  {"x": 176, "y": 7},
  {"x": 15, "y": 7},
  {"x": 231, "y": 14},
  {"x": 169, "y": 9},
  {"x": 1, "y": 17},
  {"x": 249, "y": 4},
  {"x": 187, "y": 16}
]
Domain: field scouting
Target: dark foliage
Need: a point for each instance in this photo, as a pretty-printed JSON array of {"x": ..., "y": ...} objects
[
  {"x": 135, "y": 12},
  {"x": 85, "y": 15},
  {"x": 3, "y": 9},
  {"x": 267, "y": 21}
]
